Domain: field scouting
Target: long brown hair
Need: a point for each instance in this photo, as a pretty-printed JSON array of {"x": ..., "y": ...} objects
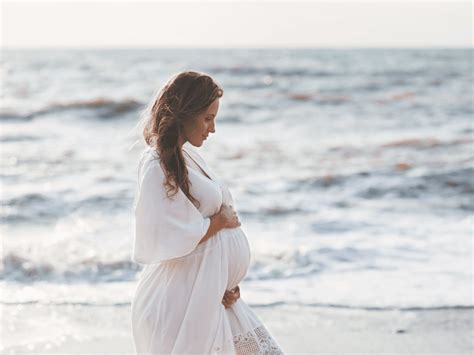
[{"x": 184, "y": 96}]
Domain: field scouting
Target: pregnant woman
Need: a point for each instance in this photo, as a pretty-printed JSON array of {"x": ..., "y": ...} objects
[{"x": 188, "y": 235}]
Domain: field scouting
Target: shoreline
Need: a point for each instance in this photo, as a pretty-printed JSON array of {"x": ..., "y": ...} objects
[{"x": 298, "y": 329}]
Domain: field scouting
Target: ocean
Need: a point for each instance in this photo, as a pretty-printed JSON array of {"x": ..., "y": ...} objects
[{"x": 351, "y": 169}]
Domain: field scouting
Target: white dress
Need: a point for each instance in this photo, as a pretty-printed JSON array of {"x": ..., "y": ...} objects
[{"x": 176, "y": 308}]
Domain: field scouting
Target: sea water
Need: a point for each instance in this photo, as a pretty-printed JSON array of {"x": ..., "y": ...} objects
[{"x": 351, "y": 170}]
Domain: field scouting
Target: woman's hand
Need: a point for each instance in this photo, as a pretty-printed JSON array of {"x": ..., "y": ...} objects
[
  {"x": 228, "y": 217},
  {"x": 230, "y": 296},
  {"x": 225, "y": 218}
]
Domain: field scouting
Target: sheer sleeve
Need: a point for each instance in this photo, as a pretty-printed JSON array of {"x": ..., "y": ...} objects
[{"x": 165, "y": 228}]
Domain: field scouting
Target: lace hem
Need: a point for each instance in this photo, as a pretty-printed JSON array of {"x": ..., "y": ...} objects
[{"x": 256, "y": 341}]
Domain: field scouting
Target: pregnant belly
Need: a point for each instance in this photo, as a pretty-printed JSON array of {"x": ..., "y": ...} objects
[
  {"x": 229, "y": 245},
  {"x": 236, "y": 246}
]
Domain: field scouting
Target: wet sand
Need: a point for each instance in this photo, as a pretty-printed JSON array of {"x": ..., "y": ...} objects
[{"x": 299, "y": 330}]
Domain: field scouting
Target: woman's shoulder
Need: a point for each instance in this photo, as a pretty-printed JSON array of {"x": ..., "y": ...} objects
[{"x": 149, "y": 160}]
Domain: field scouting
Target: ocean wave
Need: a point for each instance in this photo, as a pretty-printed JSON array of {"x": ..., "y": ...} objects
[
  {"x": 27, "y": 200},
  {"x": 453, "y": 187},
  {"x": 117, "y": 200},
  {"x": 272, "y": 211},
  {"x": 426, "y": 142},
  {"x": 401, "y": 73},
  {"x": 272, "y": 71},
  {"x": 14, "y": 116},
  {"x": 288, "y": 264},
  {"x": 306, "y": 262},
  {"x": 33, "y": 206},
  {"x": 100, "y": 107},
  {"x": 442, "y": 184},
  {"x": 322, "y": 99},
  {"x": 18, "y": 138},
  {"x": 21, "y": 269},
  {"x": 41, "y": 207}
]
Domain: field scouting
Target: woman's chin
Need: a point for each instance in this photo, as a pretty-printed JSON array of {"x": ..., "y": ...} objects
[{"x": 197, "y": 144}]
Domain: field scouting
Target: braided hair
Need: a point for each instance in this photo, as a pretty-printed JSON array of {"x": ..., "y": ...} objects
[{"x": 183, "y": 97}]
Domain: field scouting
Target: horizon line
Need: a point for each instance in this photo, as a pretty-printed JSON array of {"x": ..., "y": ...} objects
[{"x": 231, "y": 47}]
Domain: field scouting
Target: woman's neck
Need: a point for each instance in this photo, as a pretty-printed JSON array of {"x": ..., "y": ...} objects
[{"x": 181, "y": 141}]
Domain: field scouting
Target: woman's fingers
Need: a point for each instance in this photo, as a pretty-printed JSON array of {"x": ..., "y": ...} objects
[
  {"x": 230, "y": 296},
  {"x": 230, "y": 215},
  {"x": 234, "y": 296},
  {"x": 228, "y": 302}
]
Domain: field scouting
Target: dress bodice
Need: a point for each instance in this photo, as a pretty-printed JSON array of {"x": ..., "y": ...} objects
[{"x": 209, "y": 190}]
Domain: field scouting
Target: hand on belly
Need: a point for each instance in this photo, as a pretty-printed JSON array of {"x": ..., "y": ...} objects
[{"x": 230, "y": 296}]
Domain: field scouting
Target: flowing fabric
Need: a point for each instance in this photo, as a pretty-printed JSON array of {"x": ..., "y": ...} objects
[{"x": 176, "y": 308}]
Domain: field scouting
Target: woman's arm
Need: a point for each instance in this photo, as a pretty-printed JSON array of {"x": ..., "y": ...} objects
[{"x": 215, "y": 226}]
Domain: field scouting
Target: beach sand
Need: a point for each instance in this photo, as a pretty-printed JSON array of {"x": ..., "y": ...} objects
[{"x": 299, "y": 330}]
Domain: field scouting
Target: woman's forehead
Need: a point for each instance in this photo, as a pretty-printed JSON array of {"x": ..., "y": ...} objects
[{"x": 213, "y": 107}]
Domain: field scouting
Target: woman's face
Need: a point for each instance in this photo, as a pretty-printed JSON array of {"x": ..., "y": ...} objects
[{"x": 199, "y": 128}]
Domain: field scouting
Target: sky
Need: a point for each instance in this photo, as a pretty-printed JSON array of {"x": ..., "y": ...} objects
[{"x": 236, "y": 24}]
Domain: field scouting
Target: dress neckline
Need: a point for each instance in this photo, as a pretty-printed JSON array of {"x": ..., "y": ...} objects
[
  {"x": 199, "y": 166},
  {"x": 204, "y": 174}
]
